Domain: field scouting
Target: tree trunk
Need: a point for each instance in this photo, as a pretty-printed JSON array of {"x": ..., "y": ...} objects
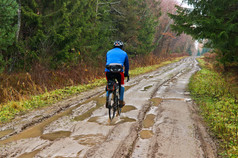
[{"x": 19, "y": 21}]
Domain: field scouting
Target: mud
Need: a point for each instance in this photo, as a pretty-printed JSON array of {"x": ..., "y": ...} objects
[
  {"x": 128, "y": 108},
  {"x": 159, "y": 120},
  {"x": 55, "y": 135},
  {"x": 149, "y": 121},
  {"x": 5, "y": 132},
  {"x": 156, "y": 101},
  {"x": 146, "y": 134}
]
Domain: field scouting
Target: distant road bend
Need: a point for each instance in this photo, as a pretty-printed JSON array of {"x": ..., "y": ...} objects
[{"x": 158, "y": 121}]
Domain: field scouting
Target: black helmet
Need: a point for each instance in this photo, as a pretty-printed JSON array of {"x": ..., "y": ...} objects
[{"x": 118, "y": 43}]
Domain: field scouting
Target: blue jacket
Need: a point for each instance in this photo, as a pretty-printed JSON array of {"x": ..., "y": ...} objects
[{"x": 117, "y": 55}]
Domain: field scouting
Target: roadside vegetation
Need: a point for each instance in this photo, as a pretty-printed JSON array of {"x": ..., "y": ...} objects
[
  {"x": 10, "y": 109},
  {"x": 216, "y": 94}
]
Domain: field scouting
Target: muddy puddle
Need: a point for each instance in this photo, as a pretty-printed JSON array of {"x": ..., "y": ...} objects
[
  {"x": 156, "y": 101},
  {"x": 100, "y": 101},
  {"x": 128, "y": 108},
  {"x": 55, "y": 135},
  {"x": 94, "y": 119},
  {"x": 90, "y": 139},
  {"x": 5, "y": 132},
  {"x": 146, "y": 134},
  {"x": 37, "y": 130},
  {"x": 147, "y": 87},
  {"x": 149, "y": 121},
  {"x": 128, "y": 87},
  {"x": 121, "y": 120},
  {"x": 34, "y": 131},
  {"x": 30, "y": 155}
]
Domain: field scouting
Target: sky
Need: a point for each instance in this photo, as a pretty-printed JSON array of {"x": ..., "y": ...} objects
[{"x": 184, "y": 4}]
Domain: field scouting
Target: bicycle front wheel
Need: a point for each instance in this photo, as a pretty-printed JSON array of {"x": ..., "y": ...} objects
[{"x": 111, "y": 102}]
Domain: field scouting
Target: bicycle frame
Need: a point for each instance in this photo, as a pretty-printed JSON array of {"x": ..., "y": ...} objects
[{"x": 113, "y": 98}]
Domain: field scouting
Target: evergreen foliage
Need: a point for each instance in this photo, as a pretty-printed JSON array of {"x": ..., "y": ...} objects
[
  {"x": 63, "y": 33},
  {"x": 55, "y": 32},
  {"x": 135, "y": 24},
  {"x": 214, "y": 20},
  {"x": 8, "y": 13}
]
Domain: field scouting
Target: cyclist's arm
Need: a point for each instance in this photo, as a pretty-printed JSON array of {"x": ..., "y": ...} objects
[{"x": 126, "y": 63}]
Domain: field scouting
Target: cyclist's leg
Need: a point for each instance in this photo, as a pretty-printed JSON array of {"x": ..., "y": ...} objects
[
  {"x": 108, "y": 77},
  {"x": 122, "y": 89}
]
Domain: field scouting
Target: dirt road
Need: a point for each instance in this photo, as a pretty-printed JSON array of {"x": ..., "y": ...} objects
[{"x": 159, "y": 120}]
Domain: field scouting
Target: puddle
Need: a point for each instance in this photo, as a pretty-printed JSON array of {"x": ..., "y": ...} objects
[
  {"x": 156, "y": 101},
  {"x": 90, "y": 139},
  {"x": 122, "y": 120},
  {"x": 37, "y": 130},
  {"x": 146, "y": 134},
  {"x": 85, "y": 115},
  {"x": 55, "y": 135},
  {"x": 5, "y": 132},
  {"x": 30, "y": 155},
  {"x": 93, "y": 119},
  {"x": 100, "y": 101},
  {"x": 147, "y": 87},
  {"x": 127, "y": 119},
  {"x": 128, "y": 87},
  {"x": 149, "y": 121},
  {"x": 128, "y": 108}
]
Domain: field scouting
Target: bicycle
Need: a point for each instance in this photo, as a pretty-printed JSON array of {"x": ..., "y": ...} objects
[{"x": 113, "y": 88}]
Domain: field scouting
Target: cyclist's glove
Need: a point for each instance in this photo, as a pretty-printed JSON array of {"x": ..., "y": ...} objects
[{"x": 128, "y": 78}]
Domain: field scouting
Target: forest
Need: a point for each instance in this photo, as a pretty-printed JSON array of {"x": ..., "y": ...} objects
[
  {"x": 65, "y": 33},
  {"x": 42, "y": 42}
]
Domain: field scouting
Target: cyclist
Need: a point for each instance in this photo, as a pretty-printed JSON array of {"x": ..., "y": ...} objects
[{"x": 117, "y": 56}]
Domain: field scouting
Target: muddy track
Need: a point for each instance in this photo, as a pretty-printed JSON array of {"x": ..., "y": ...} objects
[{"x": 159, "y": 120}]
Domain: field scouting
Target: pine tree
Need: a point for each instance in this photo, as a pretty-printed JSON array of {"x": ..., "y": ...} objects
[
  {"x": 55, "y": 32},
  {"x": 214, "y": 20},
  {"x": 8, "y": 27},
  {"x": 135, "y": 24},
  {"x": 8, "y": 13}
]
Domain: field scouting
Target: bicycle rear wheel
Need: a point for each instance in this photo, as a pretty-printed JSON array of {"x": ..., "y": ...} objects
[{"x": 112, "y": 109}]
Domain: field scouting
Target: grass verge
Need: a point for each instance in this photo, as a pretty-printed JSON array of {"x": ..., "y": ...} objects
[
  {"x": 10, "y": 109},
  {"x": 219, "y": 106}
]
